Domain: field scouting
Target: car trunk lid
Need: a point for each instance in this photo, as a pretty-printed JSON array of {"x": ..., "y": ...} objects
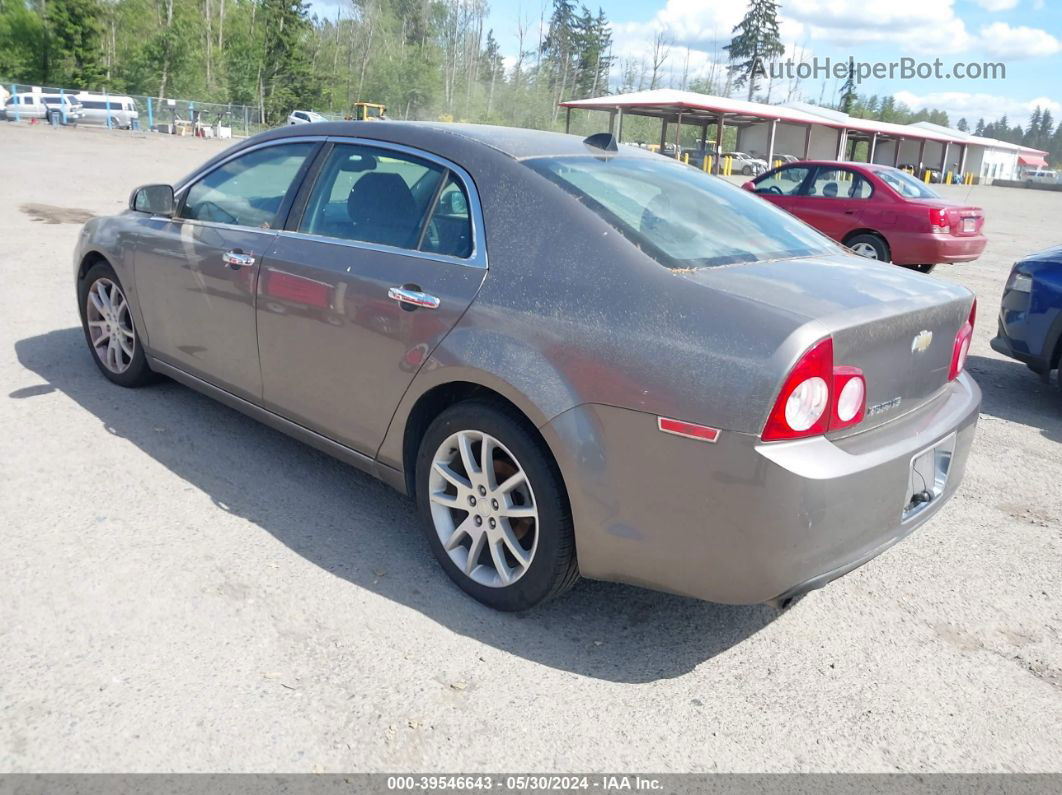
[
  {"x": 897, "y": 326},
  {"x": 963, "y": 220}
]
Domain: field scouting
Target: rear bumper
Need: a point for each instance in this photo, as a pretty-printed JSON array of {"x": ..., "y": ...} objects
[
  {"x": 740, "y": 521},
  {"x": 931, "y": 249}
]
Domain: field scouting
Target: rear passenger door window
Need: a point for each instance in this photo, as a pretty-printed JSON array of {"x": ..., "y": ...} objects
[{"x": 389, "y": 198}]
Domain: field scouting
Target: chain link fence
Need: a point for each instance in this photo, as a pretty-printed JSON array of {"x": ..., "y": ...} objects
[{"x": 136, "y": 112}]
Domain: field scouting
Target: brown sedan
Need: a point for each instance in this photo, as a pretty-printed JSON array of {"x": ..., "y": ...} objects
[{"x": 579, "y": 359}]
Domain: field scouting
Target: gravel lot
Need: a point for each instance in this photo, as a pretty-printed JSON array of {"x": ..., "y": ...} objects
[{"x": 183, "y": 589}]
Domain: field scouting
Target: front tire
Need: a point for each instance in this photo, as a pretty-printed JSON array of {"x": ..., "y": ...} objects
[
  {"x": 924, "y": 268},
  {"x": 107, "y": 321},
  {"x": 494, "y": 508}
]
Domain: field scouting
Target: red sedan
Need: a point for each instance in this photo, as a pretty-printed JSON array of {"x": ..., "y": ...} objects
[{"x": 877, "y": 211}]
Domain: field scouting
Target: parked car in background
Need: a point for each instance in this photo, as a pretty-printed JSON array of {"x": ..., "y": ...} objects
[
  {"x": 53, "y": 108},
  {"x": 98, "y": 108},
  {"x": 304, "y": 117},
  {"x": 746, "y": 164},
  {"x": 879, "y": 212},
  {"x": 747, "y": 413},
  {"x": 1040, "y": 176},
  {"x": 1030, "y": 314}
]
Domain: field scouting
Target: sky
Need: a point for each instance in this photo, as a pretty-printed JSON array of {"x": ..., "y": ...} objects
[{"x": 1024, "y": 35}]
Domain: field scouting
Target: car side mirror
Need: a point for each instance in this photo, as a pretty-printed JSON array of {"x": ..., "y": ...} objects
[{"x": 153, "y": 199}]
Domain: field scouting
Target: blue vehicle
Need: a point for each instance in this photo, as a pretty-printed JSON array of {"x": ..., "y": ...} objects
[{"x": 1030, "y": 316}]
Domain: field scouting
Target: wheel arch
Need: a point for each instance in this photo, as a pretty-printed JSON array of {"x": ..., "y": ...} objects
[
  {"x": 90, "y": 258},
  {"x": 436, "y": 399}
]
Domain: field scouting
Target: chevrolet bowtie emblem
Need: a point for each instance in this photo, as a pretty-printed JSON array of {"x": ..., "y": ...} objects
[{"x": 921, "y": 342}]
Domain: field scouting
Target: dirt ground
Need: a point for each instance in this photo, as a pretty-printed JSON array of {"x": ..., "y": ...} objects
[{"x": 183, "y": 589}]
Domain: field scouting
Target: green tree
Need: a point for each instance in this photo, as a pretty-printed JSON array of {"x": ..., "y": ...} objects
[
  {"x": 21, "y": 42},
  {"x": 71, "y": 55},
  {"x": 963, "y": 125},
  {"x": 756, "y": 41},
  {"x": 286, "y": 78},
  {"x": 848, "y": 88}
]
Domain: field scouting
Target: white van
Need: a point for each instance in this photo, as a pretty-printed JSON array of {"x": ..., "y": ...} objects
[
  {"x": 1041, "y": 176},
  {"x": 54, "y": 108},
  {"x": 121, "y": 110}
]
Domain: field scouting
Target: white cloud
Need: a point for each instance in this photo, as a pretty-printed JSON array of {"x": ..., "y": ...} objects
[
  {"x": 997, "y": 5},
  {"x": 913, "y": 25},
  {"x": 1002, "y": 41},
  {"x": 973, "y": 106}
]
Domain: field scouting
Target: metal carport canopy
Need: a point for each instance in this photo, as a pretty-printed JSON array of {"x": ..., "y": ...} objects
[{"x": 668, "y": 102}]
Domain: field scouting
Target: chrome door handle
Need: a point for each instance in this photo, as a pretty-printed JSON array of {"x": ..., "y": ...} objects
[
  {"x": 237, "y": 259},
  {"x": 413, "y": 298}
]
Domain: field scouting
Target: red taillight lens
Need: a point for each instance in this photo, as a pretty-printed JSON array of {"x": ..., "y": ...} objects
[
  {"x": 962, "y": 344},
  {"x": 817, "y": 397},
  {"x": 802, "y": 408},
  {"x": 938, "y": 221}
]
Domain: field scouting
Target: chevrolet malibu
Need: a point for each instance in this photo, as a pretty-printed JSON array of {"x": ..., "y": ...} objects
[{"x": 578, "y": 359}]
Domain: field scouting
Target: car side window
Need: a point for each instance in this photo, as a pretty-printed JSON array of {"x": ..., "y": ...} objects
[
  {"x": 372, "y": 195},
  {"x": 249, "y": 190},
  {"x": 786, "y": 181},
  {"x": 838, "y": 183},
  {"x": 450, "y": 226}
]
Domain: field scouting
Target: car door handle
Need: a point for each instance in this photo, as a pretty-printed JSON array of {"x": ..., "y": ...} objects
[
  {"x": 237, "y": 259},
  {"x": 413, "y": 298}
]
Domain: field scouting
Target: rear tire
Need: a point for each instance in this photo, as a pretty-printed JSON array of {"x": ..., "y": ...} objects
[
  {"x": 122, "y": 362},
  {"x": 869, "y": 246},
  {"x": 510, "y": 549}
]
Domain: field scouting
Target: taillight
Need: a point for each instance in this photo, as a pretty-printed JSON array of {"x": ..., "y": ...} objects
[
  {"x": 938, "y": 222},
  {"x": 850, "y": 404},
  {"x": 817, "y": 397},
  {"x": 962, "y": 344}
]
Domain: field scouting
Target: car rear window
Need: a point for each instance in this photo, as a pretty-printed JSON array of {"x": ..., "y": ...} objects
[
  {"x": 906, "y": 185},
  {"x": 679, "y": 215}
]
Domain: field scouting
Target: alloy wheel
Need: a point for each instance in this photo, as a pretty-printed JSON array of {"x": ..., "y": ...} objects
[
  {"x": 110, "y": 326},
  {"x": 483, "y": 508}
]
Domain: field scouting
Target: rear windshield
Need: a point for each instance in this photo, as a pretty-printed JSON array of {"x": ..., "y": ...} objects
[
  {"x": 679, "y": 215},
  {"x": 906, "y": 185}
]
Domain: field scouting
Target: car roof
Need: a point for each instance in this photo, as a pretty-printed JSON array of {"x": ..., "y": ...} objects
[
  {"x": 516, "y": 142},
  {"x": 842, "y": 164}
]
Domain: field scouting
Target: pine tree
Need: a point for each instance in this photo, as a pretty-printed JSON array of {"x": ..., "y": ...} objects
[
  {"x": 848, "y": 89},
  {"x": 756, "y": 42},
  {"x": 979, "y": 130},
  {"x": 1047, "y": 127},
  {"x": 1030, "y": 136},
  {"x": 963, "y": 125},
  {"x": 72, "y": 43}
]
